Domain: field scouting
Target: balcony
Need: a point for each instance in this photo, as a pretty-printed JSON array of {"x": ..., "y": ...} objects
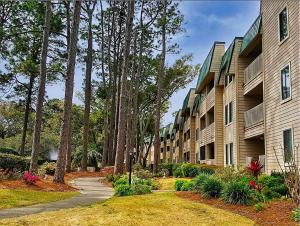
[
  {"x": 253, "y": 77},
  {"x": 210, "y": 99},
  {"x": 254, "y": 122},
  {"x": 202, "y": 140},
  {"x": 210, "y": 133}
]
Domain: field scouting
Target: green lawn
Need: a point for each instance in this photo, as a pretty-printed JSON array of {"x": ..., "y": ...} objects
[
  {"x": 152, "y": 209},
  {"x": 22, "y": 197},
  {"x": 168, "y": 183}
]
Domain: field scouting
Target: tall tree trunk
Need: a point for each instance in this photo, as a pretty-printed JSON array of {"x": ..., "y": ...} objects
[
  {"x": 61, "y": 160},
  {"x": 119, "y": 162},
  {"x": 41, "y": 92},
  {"x": 26, "y": 114},
  {"x": 158, "y": 97},
  {"x": 88, "y": 89}
]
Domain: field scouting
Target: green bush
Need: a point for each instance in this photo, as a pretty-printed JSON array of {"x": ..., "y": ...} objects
[
  {"x": 109, "y": 177},
  {"x": 47, "y": 168},
  {"x": 269, "y": 193},
  {"x": 123, "y": 180},
  {"x": 168, "y": 168},
  {"x": 14, "y": 162},
  {"x": 8, "y": 151},
  {"x": 274, "y": 183},
  {"x": 259, "y": 206},
  {"x": 10, "y": 174},
  {"x": 296, "y": 215},
  {"x": 212, "y": 187},
  {"x": 123, "y": 190},
  {"x": 141, "y": 189},
  {"x": 228, "y": 174},
  {"x": 236, "y": 192},
  {"x": 207, "y": 169},
  {"x": 186, "y": 170},
  {"x": 199, "y": 181},
  {"x": 188, "y": 186},
  {"x": 144, "y": 174},
  {"x": 179, "y": 184}
]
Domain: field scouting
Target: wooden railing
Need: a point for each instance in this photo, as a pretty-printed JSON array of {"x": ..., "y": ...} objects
[
  {"x": 253, "y": 70},
  {"x": 210, "y": 99},
  {"x": 254, "y": 116}
]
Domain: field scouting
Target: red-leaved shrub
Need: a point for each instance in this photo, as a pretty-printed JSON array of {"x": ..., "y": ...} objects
[
  {"x": 254, "y": 185},
  {"x": 29, "y": 178},
  {"x": 255, "y": 168}
]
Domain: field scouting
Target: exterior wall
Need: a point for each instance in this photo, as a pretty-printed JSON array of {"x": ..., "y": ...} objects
[
  {"x": 197, "y": 142},
  {"x": 219, "y": 114},
  {"x": 279, "y": 115}
]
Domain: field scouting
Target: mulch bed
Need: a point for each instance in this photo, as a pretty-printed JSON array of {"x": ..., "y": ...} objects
[
  {"x": 48, "y": 185},
  {"x": 276, "y": 213}
]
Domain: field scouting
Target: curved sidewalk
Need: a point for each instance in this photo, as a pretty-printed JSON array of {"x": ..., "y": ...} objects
[{"x": 91, "y": 189}]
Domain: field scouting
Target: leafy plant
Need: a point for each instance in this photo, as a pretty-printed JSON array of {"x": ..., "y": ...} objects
[
  {"x": 141, "y": 189},
  {"x": 123, "y": 190},
  {"x": 14, "y": 162},
  {"x": 178, "y": 185},
  {"x": 236, "y": 192},
  {"x": 254, "y": 185},
  {"x": 109, "y": 177},
  {"x": 274, "y": 183},
  {"x": 255, "y": 168},
  {"x": 9, "y": 174},
  {"x": 144, "y": 174},
  {"x": 8, "y": 151},
  {"x": 259, "y": 206},
  {"x": 228, "y": 174},
  {"x": 296, "y": 215},
  {"x": 188, "y": 186},
  {"x": 212, "y": 187},
  {"x": 47, "y": 168},
  {"x": 199, "y": 181},
  {"x": 30, "y": 178}
]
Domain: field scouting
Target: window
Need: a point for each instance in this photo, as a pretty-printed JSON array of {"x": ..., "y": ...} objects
[
  {"x": 168, "y": 148},
  {"x": 162, "y": 150},
  {"x": 288, "y": 145},
  {"x": 202, "y": 153},
  {"x": 228, "y": 113},
  {"x": 283, "y": 25},
  {"x": 177, "y": 143},
  {"x": 228, "y": 79},
  {"x": 229, "y": 154},
  {"x": 286, "y": 90}
]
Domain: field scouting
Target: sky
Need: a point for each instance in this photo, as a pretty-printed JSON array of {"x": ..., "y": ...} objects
[{"x": 205, "y": 22}]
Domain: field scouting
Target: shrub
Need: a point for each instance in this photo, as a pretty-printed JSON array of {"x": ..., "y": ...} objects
[
  {"x": 259, "y": 206},
  {"x": 9, "y": 174},
  {"x": 228, "y": 174},
  {"x": 144, "y": 174},
  {"x": 187, "y": 186},
  {"x": 109, "y": 177},
  {"x": 296, "y": 215},
  {"x": 178, "y": 185},
  {"x": 47, "y": 168},
  {"x": 207, "y": 169},
  {"x": 141, "y": 189},
  {"x": 167, "y": 168},
  {"x": 123, "y": 180},
  {"x": 236, "y": 192},
  {"x": 8, "y": 151},
  {"x": 274, "y": 183},
  {"x": 186, "y": 170},
  {"x": 14, "y": 162},
  {"x": 212, "y": 187},
  {"x": 123, "y": 190},
  {"x": 199, "y": 181},
  {"x": 30, "y": 178},
  {"x": 269, "y": 194}
]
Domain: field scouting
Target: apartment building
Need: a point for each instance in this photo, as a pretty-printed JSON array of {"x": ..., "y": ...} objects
[
  {"x": 189, "y": 138},
  {"x": 246, "y": 104},
  {"x": 210, "y": 109}
]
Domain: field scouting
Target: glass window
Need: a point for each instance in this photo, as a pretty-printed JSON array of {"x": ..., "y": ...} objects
[
  {"x": 230, "y": 112},
  {"x": 283, "y": 25},
  {"x": 285, "y": 83},
  {"x": 288, "y": 145},
  {"x": 229, "y": 154},
  {"x": 202, "y": 153},
  {"x": 226, "y": 114}
]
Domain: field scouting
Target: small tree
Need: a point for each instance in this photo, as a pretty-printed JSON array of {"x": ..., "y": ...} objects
[{"x": 290, "y": 171}]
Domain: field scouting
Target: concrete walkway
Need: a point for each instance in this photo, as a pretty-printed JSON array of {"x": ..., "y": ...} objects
[{"x": 91, "y": 189}]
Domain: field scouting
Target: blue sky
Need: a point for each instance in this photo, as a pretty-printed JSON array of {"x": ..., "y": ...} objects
[{"x": 206, "y": 22}]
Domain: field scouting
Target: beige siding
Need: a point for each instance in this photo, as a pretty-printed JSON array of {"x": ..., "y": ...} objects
[{"x": 278, "y": 115}]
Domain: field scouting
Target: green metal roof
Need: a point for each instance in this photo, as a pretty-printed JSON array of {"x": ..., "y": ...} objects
[
  {"x": 185, "y": 106},
  {"x": 197, "y": 102},
  {"x": 177, "y": 120},
  {"x": 254, "y": 30},
  {"x": 167, "y": 130}
]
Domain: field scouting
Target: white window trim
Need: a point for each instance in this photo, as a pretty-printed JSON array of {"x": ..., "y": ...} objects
[
  {"x": 278, "y": 25},
  {"x": 285, "y": 129},
  {"x": 291, "y": 93}
]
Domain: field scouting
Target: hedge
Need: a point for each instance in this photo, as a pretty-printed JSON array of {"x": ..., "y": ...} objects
[
  {"x": 9, "y": 161},
  {"x": 8, "y": 151}
]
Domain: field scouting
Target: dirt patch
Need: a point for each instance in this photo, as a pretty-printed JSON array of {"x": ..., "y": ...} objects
[{"x": 276, "y": 213}]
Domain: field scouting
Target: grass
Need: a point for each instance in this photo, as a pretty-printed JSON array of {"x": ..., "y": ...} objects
[
  {"x": 11, "y": 198},
  {"x": 153, "y": 209},
  {"x": 169, "y": 183}
]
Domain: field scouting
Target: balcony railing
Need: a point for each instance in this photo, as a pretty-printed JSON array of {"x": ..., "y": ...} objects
[
  {"x": 254, "y": 116},
  {"x": 210, "y": 99},
  {"x": 253, "y": 70}
]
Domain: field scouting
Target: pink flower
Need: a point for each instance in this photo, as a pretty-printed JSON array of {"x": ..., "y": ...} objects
[{"x": 29, "y": 178}]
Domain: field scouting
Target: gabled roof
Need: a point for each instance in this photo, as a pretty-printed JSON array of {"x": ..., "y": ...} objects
[
  {"x": 251, "y": 34},
  {"x": 206, "y": 66},
  {"x": 197, "y": 102},
  {"x": 178, "y": 121},
  {"x": 227, "y": 59},
  {"x": 188, "y": 102}
]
